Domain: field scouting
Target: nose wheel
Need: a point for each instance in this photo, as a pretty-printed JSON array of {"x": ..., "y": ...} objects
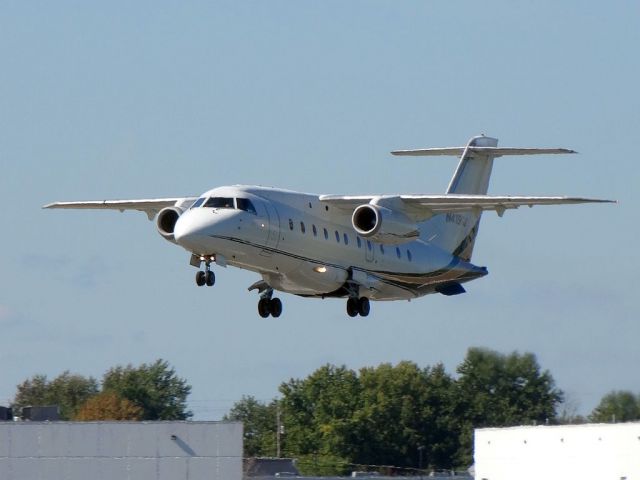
[
  {"x": 206, "y": 277},
  {"x": 358, "y": 306}
]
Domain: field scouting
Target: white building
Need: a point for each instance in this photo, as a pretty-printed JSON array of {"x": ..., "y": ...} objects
[
  {"x": 583, "y": 452},
  {"x": 121, "y": 450}
]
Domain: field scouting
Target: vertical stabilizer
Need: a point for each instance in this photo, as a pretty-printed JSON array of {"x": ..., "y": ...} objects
[
  {"x": 456, "y": 232},
  {"x": 474, "y": 169}
]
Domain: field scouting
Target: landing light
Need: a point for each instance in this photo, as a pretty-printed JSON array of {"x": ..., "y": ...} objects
[{"x": 320, "y": 269}]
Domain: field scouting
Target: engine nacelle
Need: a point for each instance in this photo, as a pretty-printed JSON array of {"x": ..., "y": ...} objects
[
  {"x": 383, "y": 225},
  {"x": 166, "y": 222}
]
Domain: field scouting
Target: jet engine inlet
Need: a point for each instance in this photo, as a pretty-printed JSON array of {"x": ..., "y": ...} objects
[
  {"x": 166, "y": 222},
  {"x": 366, "y": 220},
  {"x": 383, "y": 224}
]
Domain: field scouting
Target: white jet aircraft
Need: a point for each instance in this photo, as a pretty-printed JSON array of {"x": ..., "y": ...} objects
[{"x": 358, "y": 247}]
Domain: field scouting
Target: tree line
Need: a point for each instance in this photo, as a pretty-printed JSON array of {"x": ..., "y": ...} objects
[
  {"x": 147, "y": 392},
  {"x": 399, "y": 415},
  {"x": 404, "y": 416}
]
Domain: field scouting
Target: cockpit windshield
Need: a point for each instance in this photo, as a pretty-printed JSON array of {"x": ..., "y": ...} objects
[
  {"x": 198, "y": 202},
  {"x": 225, "y": 202},
  {"x": 246, "y": 205},
  {"x": 219, "y": 202}
]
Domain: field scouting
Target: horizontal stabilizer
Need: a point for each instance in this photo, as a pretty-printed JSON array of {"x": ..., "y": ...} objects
[{"x": 489, "y": 151}]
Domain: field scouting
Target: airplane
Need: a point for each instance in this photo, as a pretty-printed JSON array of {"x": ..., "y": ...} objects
[{"x": 358, "y": 247}]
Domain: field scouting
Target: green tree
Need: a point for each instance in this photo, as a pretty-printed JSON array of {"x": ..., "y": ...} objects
[
  {"x": 259, "y": 420},
  {"x": 155, "y": 388},
  {"x": 337, "y": 418},
  {"x": 496, "y": 390},
  {"x": 617, "y": 406},
  {"x": 68, "y": 391},
  {"x": 318, "y": 415},
  {"x": 404, "y": 409}
]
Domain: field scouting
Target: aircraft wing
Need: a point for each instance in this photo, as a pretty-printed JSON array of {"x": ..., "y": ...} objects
[
  {"x": 422, "y": 207},
  {"x": 149, "y": 206}
]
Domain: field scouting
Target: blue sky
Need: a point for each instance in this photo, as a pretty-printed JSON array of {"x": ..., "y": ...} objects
[{"x": 153, "y": 99}]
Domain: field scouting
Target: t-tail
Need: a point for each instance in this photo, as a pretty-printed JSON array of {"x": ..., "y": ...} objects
[{"x": 456, "y": 231}]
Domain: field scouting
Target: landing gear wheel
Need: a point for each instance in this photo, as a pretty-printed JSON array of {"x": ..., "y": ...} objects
[
  {"x": 275, "y": 306},
  {"x": 352, "y": 307},
  {"x": 364, "y": 307},
  {"x": 200, "y": 278},
  {"x": 210, "y": 278},
  {"x": 263, "y": 307}
]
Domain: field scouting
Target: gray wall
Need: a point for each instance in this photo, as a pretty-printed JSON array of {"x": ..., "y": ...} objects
[{"x": 120, "y": 450}]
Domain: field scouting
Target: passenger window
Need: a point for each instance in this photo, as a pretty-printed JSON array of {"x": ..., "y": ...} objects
[
  {"x": 359, "y": 242},
  {"x": 337, "y": 237},
  {"x": 326, "y": 234},
  {"x": 382, "y": 249},
  {"x": 198, "y": 202},
  {"x": 315, "y": 230},
  {"x": 346, "y": 239},
  {"x": 302, "y": 229},
  {"x": 409, "y": 254},
  {"x": 246, "y": 205},
  {"x": 397, "y": 252},
  {"x": 290, "y": 224},
  {"x": 219, "y": 202}
]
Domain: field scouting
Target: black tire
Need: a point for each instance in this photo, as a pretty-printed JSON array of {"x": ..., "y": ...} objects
[
  {"x": 353, "y": 307},
  {"x": 276, "y": 307},
  {"x": 200, "y": 278},
  {"x": 263, "y": 307},
  {"x": 364, "y": 307},
  {"x": 210, "y": 278}
]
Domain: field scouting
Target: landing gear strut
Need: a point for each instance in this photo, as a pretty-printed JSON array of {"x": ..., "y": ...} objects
[
  {"x": 206, "y": 277},
  {"x": 268, "y": 305},
  {"x": 358, "y": 306}
]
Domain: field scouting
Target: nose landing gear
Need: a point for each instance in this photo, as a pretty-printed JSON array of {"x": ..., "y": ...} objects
[{"x": 206, "y": 277}]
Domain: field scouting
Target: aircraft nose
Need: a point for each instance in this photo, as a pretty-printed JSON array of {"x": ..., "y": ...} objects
[{"x": 188, "y": 233}]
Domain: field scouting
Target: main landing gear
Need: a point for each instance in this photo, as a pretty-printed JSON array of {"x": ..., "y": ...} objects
[
  {"x": 358, "y": 306},
  {"x": 268, "y": 305}
]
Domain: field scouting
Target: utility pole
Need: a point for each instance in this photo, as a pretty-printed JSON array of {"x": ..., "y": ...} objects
[
  {"x": 278, "y": 429},
  {"x": 420, "y": 451}
]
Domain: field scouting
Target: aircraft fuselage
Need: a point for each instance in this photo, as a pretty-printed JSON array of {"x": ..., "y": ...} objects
[{"x": 301, "y": 246}]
